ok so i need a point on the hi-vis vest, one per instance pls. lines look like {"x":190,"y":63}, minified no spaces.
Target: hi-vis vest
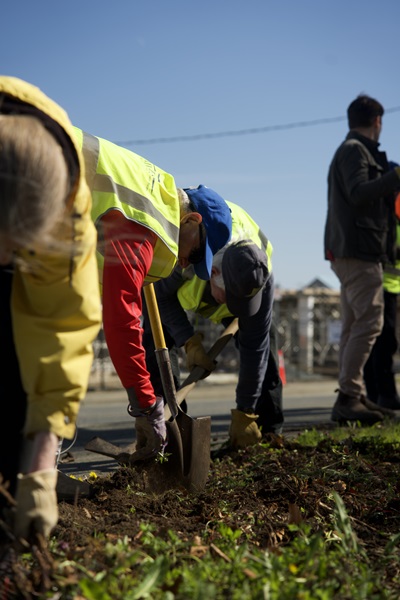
{"x":391,"y":274}
{"x":122,"y":180}
{"x":191,"y":293}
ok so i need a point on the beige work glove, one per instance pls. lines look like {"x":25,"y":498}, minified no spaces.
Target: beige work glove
{"x":37,"y":510}
{"x":196,"y":355}
{"x":243,"y":430}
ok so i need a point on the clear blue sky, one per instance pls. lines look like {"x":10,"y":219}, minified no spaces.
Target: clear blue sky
{"x":129,"y":70}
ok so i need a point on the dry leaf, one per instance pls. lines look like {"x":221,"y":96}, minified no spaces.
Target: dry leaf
{"x":199,"y":551}
{"x":294,"y":514}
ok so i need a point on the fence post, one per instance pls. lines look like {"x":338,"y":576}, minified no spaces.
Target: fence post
{"x":305,"y":308}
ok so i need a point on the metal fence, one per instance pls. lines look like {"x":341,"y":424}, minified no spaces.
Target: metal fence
{"x":308,"y":323}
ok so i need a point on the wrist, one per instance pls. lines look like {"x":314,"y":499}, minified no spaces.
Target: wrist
{"x":146,"y":411}
{"x":138,"y":408}
{"x":44,"y":449}
{"x":42,"y":473}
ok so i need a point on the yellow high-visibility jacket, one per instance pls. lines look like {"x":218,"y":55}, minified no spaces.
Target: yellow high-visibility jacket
{"x":56,"y":310}
{"x":122,"y":180}
{"x":191,"y":293}
{"x":391,"y":273}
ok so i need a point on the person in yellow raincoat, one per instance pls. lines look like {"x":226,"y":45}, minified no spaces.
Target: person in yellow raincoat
{"x":49,"y":293}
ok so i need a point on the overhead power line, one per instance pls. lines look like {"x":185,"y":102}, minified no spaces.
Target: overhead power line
{"x":238,"y":132}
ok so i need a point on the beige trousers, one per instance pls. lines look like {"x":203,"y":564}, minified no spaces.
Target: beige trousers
{"x":361,"y":300}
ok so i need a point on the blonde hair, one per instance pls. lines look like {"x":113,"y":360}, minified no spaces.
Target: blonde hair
{"x":33,"y":181}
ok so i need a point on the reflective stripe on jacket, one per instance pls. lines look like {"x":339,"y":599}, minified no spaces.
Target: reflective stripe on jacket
{"x":191,"y":293}
{"x":122,"y":180}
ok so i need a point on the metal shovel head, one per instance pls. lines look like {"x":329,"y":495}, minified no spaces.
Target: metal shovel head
{"x":189,"y":443}
{"x":188,"y":451}
{"x":190,"y":447}
{"x":70,"y":490}
{"x":189,"y":439}
{"x":195,"y":437}
{"x":101,"y":446}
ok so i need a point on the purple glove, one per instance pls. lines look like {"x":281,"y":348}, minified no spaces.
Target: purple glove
{"x":151,"y":433}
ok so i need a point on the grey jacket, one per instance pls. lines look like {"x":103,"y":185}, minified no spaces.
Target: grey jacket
{"x":360,"y":221}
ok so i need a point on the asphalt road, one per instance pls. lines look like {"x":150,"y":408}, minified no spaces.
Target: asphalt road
{"x":103,"y":413}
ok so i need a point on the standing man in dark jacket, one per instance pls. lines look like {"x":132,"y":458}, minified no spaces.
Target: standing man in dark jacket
{"x":359,"y":238}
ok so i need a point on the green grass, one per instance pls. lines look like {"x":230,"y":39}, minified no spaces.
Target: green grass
{"x":322,"y":566}
{"x":317,"y":556}
{"x":380,"y":435}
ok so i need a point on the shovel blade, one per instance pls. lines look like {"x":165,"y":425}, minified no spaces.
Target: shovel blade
{"x":196,"y":444}
{"x":188,"y":451}
{"x":100,"y":446}
{"x":174,"y":466}
{"x":70,"y":490}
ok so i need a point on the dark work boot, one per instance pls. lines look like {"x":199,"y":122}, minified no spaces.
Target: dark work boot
{"x":392,"y":403}
{"x":350,"y":408}
{"x":387,"y":412}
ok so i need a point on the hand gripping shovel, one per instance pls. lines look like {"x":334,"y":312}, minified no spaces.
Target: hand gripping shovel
{"x":198,"y":373}
{"x":189,"y":439}
{"x":101,"y":446}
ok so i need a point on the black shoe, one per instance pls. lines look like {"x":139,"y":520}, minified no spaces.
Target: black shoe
{"x":387,"y":412}
{"x":392,"y":403}
{"x":350,"y":408}
{"x":275,"y":428}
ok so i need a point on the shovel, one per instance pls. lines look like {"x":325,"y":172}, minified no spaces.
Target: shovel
{"x":198,"y":373}
{"x":101,"y":446}
{"x":189,"y":439}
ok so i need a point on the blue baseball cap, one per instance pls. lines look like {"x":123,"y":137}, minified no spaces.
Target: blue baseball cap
{"x":217,"y":221}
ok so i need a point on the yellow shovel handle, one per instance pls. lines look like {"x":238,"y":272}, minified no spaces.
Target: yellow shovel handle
{"x":154,"y":316}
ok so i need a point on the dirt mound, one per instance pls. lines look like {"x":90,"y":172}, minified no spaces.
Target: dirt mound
{"x":257,"y":492}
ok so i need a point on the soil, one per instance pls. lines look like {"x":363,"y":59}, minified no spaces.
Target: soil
{"x":258,"y":491}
